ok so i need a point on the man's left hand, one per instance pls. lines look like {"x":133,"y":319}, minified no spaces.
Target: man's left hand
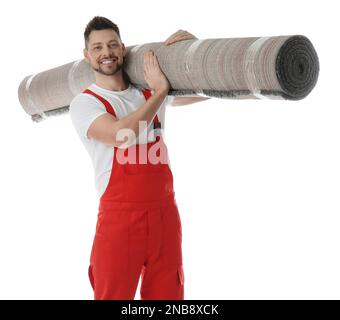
{"x":180,"y":35}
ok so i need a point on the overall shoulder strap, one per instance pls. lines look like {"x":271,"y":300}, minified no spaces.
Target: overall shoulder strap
{"x":156,"y":122}
{"x":106,"y":103}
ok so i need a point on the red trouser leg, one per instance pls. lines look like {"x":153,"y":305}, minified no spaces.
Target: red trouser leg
{"x":162,"y":276}
{"x":131,"y":241}
{"x":118,"y":254}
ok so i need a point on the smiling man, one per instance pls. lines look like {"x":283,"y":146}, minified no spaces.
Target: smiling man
{"x":138,"y":231}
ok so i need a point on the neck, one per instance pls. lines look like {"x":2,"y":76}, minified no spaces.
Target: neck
{"x":117,"y":82}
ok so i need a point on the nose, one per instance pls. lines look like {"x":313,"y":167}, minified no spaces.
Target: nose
{"x":106,"y":50}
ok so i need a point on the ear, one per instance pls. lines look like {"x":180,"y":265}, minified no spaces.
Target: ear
{"x":86,"y":55}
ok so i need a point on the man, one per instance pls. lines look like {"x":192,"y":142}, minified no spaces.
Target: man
{"x":138,"y":231}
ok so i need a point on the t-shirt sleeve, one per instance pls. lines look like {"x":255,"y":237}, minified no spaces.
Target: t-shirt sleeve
{"x":168,"y":100}
{"x":84,"y":109}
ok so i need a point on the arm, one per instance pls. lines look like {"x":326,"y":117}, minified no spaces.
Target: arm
{"x":181,"y":35}
{"x":106,"y":128}
{"x":183,"y":101}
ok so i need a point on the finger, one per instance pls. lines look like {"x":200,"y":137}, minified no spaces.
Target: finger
{"x":186,"y":36}
{"x":173,"y":36}
{"x":146,"y":57}
{"x":151,"y":60}
{"x":177,"y":39}
{"x":147,"y":61}
{"x":155,"y":60}
{"x":181,"y":36}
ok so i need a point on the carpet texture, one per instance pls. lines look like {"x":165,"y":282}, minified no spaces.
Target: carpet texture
{"x":279,"y":67}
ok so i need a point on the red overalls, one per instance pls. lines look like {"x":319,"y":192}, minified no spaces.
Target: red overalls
{"x":138,"y":231}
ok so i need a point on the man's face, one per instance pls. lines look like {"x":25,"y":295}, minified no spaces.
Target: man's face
{"x":105,"y":52}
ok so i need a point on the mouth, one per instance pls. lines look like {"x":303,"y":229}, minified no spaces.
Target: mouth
{"x":108,"y":62}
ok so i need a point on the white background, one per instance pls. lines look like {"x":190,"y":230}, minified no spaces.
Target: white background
{"x":257,"y":182}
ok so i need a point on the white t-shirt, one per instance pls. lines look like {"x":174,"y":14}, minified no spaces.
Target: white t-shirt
{"x":85,"y":108}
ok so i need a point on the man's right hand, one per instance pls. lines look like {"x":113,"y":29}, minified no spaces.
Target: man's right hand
{"x":153,"y":74}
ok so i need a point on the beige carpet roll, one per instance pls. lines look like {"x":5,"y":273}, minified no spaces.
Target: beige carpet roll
{"x":280,"y":67}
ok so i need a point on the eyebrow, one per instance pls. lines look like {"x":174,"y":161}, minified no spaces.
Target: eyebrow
{"x":102,"y":42}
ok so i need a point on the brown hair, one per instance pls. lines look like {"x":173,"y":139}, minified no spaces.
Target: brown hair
{"x":99,"y":23}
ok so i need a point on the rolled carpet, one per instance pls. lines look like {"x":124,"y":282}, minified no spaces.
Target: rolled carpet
{"x":279,"y":67}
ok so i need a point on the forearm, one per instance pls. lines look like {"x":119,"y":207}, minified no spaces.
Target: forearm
{"x":145,"y":113}
{"x":185,"y":100}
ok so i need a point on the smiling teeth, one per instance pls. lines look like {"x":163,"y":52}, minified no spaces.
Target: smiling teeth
{"x":107,"y":61}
